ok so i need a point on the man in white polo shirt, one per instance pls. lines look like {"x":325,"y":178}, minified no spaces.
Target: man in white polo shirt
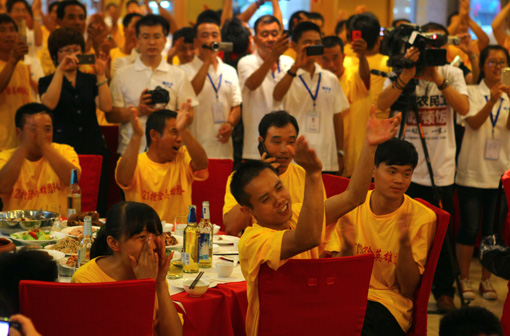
{"x":217,"y":88}
{"x":258,"y":75}
{"x":314,"y":96}
{"x":131,"y":86}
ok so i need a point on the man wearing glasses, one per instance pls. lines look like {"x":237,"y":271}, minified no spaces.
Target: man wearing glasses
{"x":150,"y":83}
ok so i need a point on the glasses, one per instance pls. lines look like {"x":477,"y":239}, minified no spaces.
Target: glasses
{"x":494,"y":64}
{"x":69,"y":51}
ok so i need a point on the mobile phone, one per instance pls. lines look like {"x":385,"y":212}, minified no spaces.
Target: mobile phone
{"x":86,"y":59}
{"x":505,"y":76}
{"x":22,"y":30}
{"x":453,"y":40}
{"x":356,"y":35}
{"x":315,"y":50}
{"x":6,"y":324}
{"x":262,"y":149}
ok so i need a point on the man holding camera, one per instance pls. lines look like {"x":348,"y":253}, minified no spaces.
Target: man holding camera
{"x":314,"y":96}
{"x":440,"y":92}
{"x":150,"y":83}
{"x":217,"y":88}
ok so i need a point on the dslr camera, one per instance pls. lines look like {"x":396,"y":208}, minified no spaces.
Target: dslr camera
{"x":160,"y":96}
{"x":397,"y":41}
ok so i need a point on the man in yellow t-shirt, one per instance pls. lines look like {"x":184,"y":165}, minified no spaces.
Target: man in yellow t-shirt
{"x":355,"y":83}
{"x":14,"y":80}
{"x":162,"y":176}
{"x":398,"y":231}
{"x":36,"y":175}
{"x":285,"y":230}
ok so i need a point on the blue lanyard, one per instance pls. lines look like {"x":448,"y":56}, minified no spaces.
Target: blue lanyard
{"x":314,"y":97}
{"x":214,"y":87}
{"x":278,"y":66}
{"x":494,"y":120}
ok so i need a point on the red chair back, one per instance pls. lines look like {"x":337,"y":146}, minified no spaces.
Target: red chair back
{"x":89,"y":181}
{"x":315,"y":296}
{"x":111,"y":308}
{"x":422,"y":294}
{"x":335,"y":185}
{"x":505,"y":318}
{"x":213,"y":189}
{"x":505,"y":179}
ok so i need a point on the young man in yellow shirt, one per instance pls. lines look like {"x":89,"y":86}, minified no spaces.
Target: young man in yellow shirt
{"x":285,"y":230}
{"x":162,"y":176}
{"x":36,"y":174}
{"x":398,"y":231}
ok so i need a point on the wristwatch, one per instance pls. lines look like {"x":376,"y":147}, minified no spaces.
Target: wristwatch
{"x":444,"y":85}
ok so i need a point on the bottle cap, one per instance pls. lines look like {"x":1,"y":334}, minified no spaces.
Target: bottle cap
{"x":192,"y":214}
{"x":87,"y":226}
{"x":74,"y":176}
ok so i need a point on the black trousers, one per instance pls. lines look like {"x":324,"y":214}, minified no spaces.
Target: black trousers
{"x":380,"y":322}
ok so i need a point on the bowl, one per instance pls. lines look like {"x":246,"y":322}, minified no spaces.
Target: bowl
{"x":199,"y":290}
{"x":216,"y":229}
{"x":56,"y":255}
{"x":6,"y":245}
{"x":64,"y":270}
{"x":224,"y":268}
{"x":19,"y":220}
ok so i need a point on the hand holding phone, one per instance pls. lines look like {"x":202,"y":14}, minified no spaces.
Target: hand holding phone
{"x":86,"y":59}
{"x":315,"y":50}
{"x":356,"y":34}
{"x":262,"y":149}
{"x":6,"y":324}
{"x":505,"y":76}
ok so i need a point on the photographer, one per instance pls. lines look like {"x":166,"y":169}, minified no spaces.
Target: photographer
{"x":440,"y":91}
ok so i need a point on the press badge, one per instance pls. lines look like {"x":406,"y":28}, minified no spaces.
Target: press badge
{"x":313,"y":122}
{"x":492,"y":149}
{"x":218,"y":113}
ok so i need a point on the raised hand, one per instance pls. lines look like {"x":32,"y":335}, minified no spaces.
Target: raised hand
{"x":135,"y":122}
{"x":412,"y":54}
{"x":359,"y":46}
{"x":69,"y":63}
{"x":403,"y":227}
{"x":496,"y":92}
{"x":184,"y":117}
{"x":270,"y":160}
{"x":465,"y":43}
{"x":280,"y":46}
{"x":381,"y":130}
{"x":305,"y":156}
{"x":100,"y":65}
{"x":300,"y":57}
{"x":164,"y":260}
{"x":147,"y":265}
{"x":19,"y":51}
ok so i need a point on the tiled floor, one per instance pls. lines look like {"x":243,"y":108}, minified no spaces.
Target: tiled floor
{"x":496,"y":306}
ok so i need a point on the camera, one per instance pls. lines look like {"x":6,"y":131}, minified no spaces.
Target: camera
{"x":220,"y":46}
{"x":160,"y":95}
{"x":315,"y":50}
{"x":397,"y":41}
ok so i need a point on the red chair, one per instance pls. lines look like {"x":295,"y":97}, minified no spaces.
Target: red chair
{"x":505,"y":179}
{"x":110,"y":308}
{"x":505,"y":319}
{"x":422,"y":294}
{"x":335,"y":185}
{"x":315,"y":296}
{"x":89,"y":181}
{"x":213,"y":189}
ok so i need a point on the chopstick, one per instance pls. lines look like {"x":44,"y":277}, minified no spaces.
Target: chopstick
{"x":227,"y":259}
{"x":194,"y":283}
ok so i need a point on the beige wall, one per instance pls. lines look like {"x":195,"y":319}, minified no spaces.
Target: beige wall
{"x":185,"y":11}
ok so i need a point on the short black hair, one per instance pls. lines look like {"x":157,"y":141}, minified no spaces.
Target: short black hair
{"x":394,"y":22}
{"x":485,"y":53}
{"x":331,"y":41}
{"x":369,"y":26}
{"x":132,"y":1}
{"x":6,"y":18}
{"x":296,"y":15}
{"x":10,"y":3}
{"x":61,"y":9}
{"x":128,"y":18}
{"x":304,"y":27}
{"x":234,"y":31}
{"x":266,"y":19}
{"x":276,"y":119}
{"x":396,"y":152}
{"x":340,"y":27}
{"x":30,"y":109}
{"x":156,"y":121}
{"x":151,"y":20}
{"x":205,"y":19}
{"x":208,"y":15}
{"x":315,"y":16}
{"x":63,"y":37}
{"x":248,"y":170}
{"x":470,"y":321}
{"x":450,"y":17}
{"x":434,"y":26}
{"x":186,"y":32}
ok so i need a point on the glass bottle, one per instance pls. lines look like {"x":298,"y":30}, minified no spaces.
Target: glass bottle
{"x":206,"y":241}
{"x":191,"y":235}
{"x":86,"y":242}
{"x":73,"y":195}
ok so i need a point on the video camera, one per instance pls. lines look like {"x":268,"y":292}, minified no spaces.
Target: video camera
{"x":397,"y":41}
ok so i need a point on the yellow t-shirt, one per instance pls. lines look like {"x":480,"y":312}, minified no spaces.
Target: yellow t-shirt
{"x":90,"y":273}
{"x":379,"y":234}
{"x":259,"y":245}
{"x":355,"y":118}
{"x":115,"y":53}
{"x":15,"y":95}
{"x":291,"y":53}
{"x":166,"y":187}
{"x":293,"y":179}
{"x":38,"y":186}
{"x":375,"y":62}
{"x":452,"y":51}
{"x":49,"y":67}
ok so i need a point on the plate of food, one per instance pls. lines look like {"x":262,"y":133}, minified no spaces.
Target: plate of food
{"x":77,"y":219}
{"x":173,"y":241}
{"x":68,"y":245}
{"x":37,"y":237}
{"x":225,"y":240}
{"x":77,"y":231}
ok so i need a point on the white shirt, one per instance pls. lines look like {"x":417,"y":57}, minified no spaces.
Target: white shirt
{"x":474,"y":170}
{"x":229,"y":95}
{"x":330,"y":100}
{"x":131,"y":80}
{"x":258,"y":102}
{"x":437,"y":119}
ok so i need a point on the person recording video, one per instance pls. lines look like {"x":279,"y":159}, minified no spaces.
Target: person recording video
{"x":440,"y":92}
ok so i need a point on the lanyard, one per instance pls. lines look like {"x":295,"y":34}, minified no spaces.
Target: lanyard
{"x":278,"y":66}
{"x":214,"y":87}
{"x":494,"y":120}
{"x":314,"y":97}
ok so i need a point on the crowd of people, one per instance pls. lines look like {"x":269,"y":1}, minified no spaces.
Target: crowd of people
{"x":321,"y":104}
